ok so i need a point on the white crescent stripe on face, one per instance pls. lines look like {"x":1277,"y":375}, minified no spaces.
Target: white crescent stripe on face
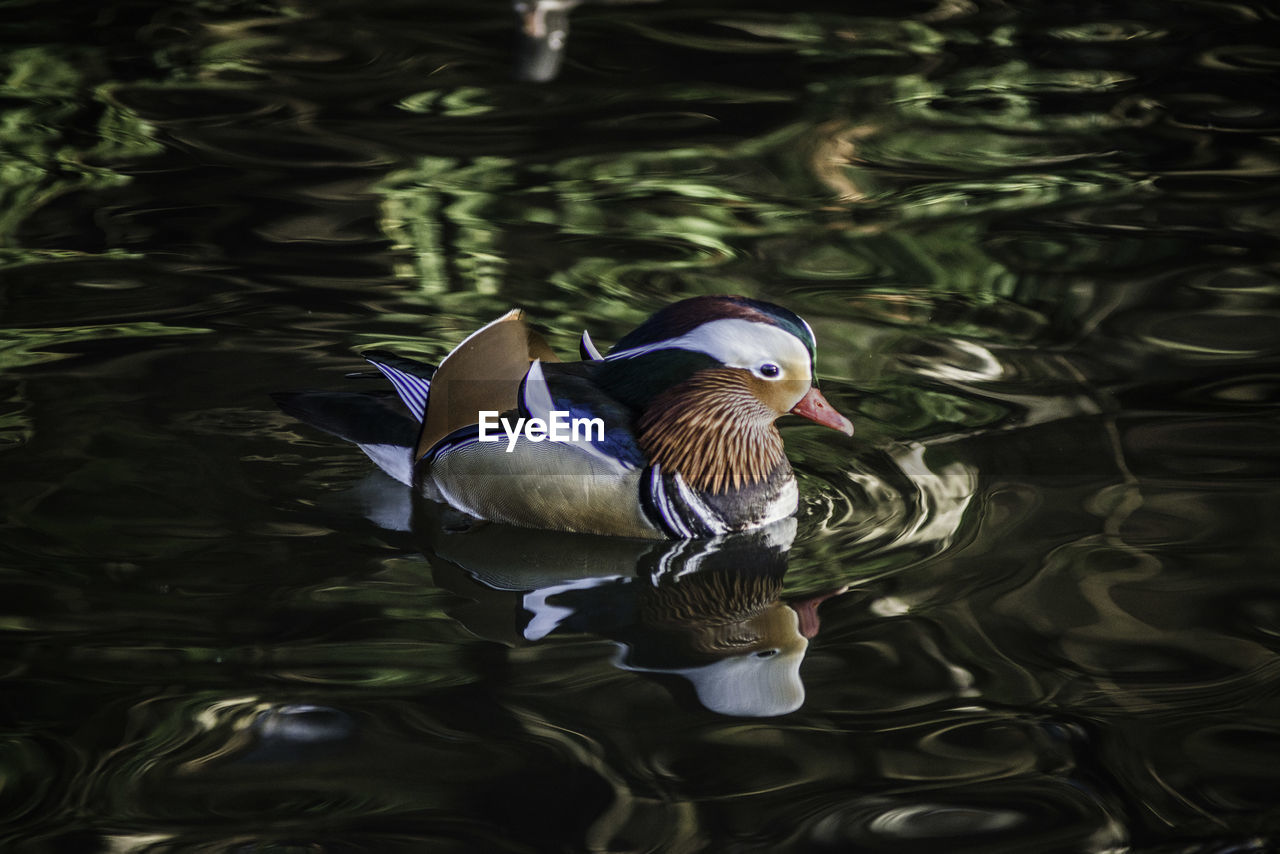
{"x":736,"y":343}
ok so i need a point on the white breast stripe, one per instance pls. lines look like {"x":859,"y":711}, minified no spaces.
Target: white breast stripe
{"x":658,"y":493}
{"x":705,"y":514}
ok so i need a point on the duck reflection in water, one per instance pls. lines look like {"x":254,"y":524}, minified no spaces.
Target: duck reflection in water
{"x":543,"y":34}
{"x":709,"y":612}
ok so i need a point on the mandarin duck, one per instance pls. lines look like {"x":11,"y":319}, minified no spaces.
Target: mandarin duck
{"x":677,"y":440}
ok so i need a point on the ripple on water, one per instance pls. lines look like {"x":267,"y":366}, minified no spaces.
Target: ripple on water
{"x":1109,"y":31}
{"x":885,"y":509}
{"x":1223,"y":113}
{"x":30,"y":776}
{"x":1203,"y":771}
{"x":1246,"y":58}
{"x":201,"y":758}
{"x":1202,"y":447}
{"x":1043,"y":814}
{"x":1235,"y":761}
{"x":71,"y":299}
{"x":1247,"y":390}
{"x":1211,"y":334}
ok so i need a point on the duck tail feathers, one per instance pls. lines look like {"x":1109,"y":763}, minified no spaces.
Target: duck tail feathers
{"x":411,"y":379}
{"x":373,"y":421}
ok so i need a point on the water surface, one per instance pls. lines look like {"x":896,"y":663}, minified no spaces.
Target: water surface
{"x":1030,"y":607}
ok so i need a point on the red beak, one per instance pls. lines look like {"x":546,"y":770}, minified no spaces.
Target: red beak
{"x":815,"y":407}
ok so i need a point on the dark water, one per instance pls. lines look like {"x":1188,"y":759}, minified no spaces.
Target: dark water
{"x":1031,"y":607}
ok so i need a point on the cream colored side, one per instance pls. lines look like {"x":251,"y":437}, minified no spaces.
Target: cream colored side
{"x":543,"y":485}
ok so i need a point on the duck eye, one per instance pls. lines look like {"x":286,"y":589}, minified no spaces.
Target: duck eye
{"x":770,"y":370}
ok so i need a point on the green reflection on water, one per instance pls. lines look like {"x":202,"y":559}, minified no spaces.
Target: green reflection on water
{"x":22,"y":347}
{"x":57,"y":132}
{"x":885,"y":182}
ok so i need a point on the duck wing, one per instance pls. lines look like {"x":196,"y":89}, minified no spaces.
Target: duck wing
{"x":484,"y":372}
{"x":570,"y":387}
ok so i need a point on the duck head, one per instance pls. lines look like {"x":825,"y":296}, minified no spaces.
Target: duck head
{"x":708,"y":377}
